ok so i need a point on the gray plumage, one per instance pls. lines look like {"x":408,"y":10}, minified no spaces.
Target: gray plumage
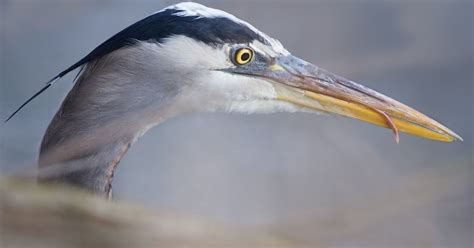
{"x":106,"y":110}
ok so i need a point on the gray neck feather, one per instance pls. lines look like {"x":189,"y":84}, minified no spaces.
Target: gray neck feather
{"x":114,"y":101}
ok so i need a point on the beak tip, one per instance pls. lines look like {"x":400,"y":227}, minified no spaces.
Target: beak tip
{"x":453,"y":135}
{"x":457,"y":137}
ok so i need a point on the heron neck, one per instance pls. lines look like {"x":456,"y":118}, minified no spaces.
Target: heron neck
{"x":91,"y":169}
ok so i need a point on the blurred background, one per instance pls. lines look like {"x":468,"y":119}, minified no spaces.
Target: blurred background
{"x":313,"y":179}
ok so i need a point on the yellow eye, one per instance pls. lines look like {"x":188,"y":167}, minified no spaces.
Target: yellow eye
{"x":243,"y":56}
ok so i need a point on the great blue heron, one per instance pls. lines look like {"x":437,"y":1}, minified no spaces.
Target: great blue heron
{"x":188,"y":58}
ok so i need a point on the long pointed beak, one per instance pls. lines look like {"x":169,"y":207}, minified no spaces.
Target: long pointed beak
{"x":306,"y":85}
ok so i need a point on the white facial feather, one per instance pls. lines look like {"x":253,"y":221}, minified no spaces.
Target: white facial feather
{"x":189,"y":53}
{"x":211,"y":90}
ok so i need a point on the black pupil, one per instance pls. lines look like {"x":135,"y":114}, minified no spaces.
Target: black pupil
{"x":245,"y":56}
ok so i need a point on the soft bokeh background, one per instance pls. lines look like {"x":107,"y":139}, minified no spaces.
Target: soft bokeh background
{"x":313,"y":179}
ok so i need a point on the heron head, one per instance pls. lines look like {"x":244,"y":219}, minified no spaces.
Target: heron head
{"x":237,"y":68}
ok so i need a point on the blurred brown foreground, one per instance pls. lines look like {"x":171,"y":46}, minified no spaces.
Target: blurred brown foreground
{"x":50,"y":216}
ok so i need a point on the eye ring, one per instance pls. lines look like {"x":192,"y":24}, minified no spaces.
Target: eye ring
{"x":243,"y":56}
